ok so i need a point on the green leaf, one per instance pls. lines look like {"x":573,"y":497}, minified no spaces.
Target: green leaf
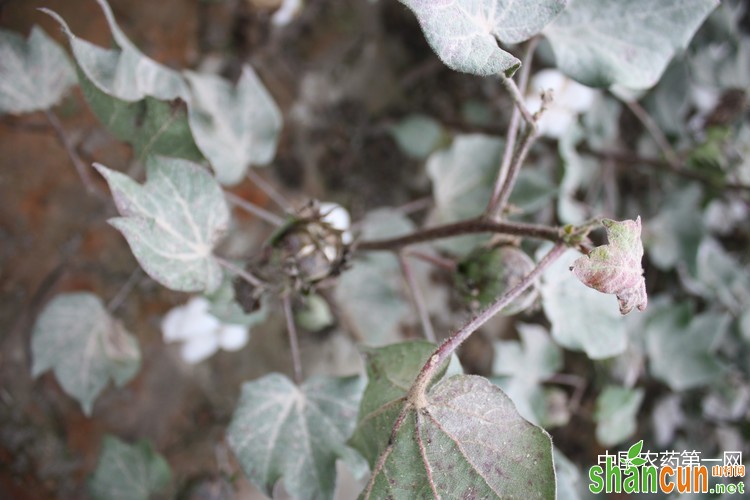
{"x":680,"y":347}
{"x":672,"y":237}
{"x":77,"y":338}
{"x":172,"y":222}
{"x":462,"y":178}
{"x":234,"y":127}
{"x":465,"y":33}
{"x":612,"y":42}
{"x":616,"y":267}
{"x":137,"y":99}
{"x":582,"y":319}
{"x":34,"y":73}
{"x":525,"y":365}
{"x":391,"y":370}
{"x":469,"y":435}
{"x":417,"y":135}
{"x":468,"y":441}
{"x":722,"y":277}
{"x":615,"y":414}
{"x":128,"y":472}
{"x":371,"y":294}
{"x":281,"y":431}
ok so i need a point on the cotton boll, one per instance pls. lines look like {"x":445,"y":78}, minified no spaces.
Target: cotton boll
{"x":188,"y":321}
{"x":569,"y":99}
{"x":233,"y":337}
{"x":200,"y":348}
{"x":338,"y":218}
{"x":287,"y":12}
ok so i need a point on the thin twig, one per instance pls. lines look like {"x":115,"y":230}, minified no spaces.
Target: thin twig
{"x":450,"y":345}
{"x":468,"y":226}
{"x":291,"y":328}
{"x":435,"y":260}
{"x":125,"y":290}
{"x":78,"y":163}
{"x":634,"y":159}
{"x":513,"y":127}
{"x":519,"y":156}
{"x":517,"y":96}
{"x":245,"y":275}
{"x":254,"y":209}
{"x":267,"y":188}
{"x":653,"y":128}
{"x":417,"y":297}
{"x":417,"y":398}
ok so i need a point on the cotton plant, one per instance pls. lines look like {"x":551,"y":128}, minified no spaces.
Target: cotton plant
{"x":569,"y":100}
{"x":201,"y":333}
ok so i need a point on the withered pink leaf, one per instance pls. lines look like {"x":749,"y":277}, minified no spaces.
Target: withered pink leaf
{"x":616,"y":267}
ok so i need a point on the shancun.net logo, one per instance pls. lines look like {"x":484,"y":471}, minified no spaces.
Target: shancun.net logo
{"x":634,"y":471}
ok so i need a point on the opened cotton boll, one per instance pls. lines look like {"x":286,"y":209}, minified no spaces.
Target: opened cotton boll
{"x":338,"y":218}
{"x":569,"y":99}
{"x":201,"y":333}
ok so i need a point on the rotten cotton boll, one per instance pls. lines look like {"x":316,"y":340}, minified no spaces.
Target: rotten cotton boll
{"x":569,"y":99}
{"x":310,"y":248}
{"x":201,"y":333}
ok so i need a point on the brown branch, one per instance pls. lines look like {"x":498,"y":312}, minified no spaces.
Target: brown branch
{"x":80,"y":166}
{"x":469,"y":226}
{"x":293,"y":343}
{"x":417,"y":297}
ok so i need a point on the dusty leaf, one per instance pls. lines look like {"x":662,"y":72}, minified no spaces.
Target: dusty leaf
{"x":616,"y":267}
{"x":128,"y":472}
{"x":34,"y":73}
{"x":615,"y":414}
{"x":77,"y":338}
{"x":172,"y":222}
{"x":139,"y":100}
{"x":467,"y":442}
{"x":234,"y":126}
{"x":465,"y":33}
{"x":612,"y":42}
{"x":282,"y":431}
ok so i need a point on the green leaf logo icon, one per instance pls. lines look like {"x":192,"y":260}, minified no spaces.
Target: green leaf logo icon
{"x":633,"y":454}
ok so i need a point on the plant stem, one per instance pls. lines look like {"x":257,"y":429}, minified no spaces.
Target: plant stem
{"x":78,"y":163}
{"x":417,"y":297}
{"x":267,"y":188}
{"x":254,"y":209}
{"x":435,"y":260}
{"x":517,"y":96}
{"x":495,"y":210}
{"x":449,"y":346}
{"x":292,"y":331}
{"x":469,"y":226}
{"x":634,"y":159}
{"x":515,"y":122}
{"x":417,"y":397}
{"x":125,"y":290}
{"x":653,"y":128}
{"x":245,"y":275}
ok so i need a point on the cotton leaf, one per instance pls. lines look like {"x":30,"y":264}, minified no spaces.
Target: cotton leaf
{"x":465,"y":33}
{"x":128,"y":472}
{"x":468,"y":441}
{"x":77,"y":338}
{"x":295,"y":433}
{"x":629,"y":43}
{"x":234,"y":127}
{"x":34,"y":73}
{"x":616,"y":267}
{"x":172,"y":222}
{"x":139,"y":100}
